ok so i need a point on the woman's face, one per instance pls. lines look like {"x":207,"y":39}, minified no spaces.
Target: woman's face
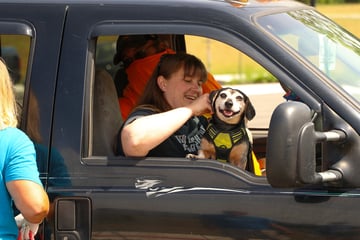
{"x":180,"y":90}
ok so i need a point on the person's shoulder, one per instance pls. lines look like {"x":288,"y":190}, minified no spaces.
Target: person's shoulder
{"x":12,"y":132}
{"x":144,"y":110}
{"x":140,"y":111}
{"x":16,"y":139}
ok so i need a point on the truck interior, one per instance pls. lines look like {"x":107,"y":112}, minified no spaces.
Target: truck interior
{"x":105,"y":51}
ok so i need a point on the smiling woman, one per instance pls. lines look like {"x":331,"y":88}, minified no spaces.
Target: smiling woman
{"x":168,"y":120}
{"x":137,"y":57}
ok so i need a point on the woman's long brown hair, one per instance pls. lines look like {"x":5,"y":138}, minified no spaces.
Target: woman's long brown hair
{"x":153,"y":97}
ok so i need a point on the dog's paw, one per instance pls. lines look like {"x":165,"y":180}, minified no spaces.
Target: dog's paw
{"x":191,"y":156}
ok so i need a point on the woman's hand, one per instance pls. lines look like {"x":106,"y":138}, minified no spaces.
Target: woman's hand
{"x":27,"y":230}
{"x":201,"y":105}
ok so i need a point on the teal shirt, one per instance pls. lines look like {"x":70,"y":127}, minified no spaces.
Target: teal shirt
{"x":17,"y":162}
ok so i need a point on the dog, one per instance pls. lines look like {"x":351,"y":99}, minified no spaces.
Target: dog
{"x":227,"y":138}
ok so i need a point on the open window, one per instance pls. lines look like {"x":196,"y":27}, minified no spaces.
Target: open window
{"x":229,"y":66}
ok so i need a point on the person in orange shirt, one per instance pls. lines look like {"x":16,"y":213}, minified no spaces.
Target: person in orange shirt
{"x":139,"y":55}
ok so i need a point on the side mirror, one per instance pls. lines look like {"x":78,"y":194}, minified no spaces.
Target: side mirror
{"x":290,"y":154}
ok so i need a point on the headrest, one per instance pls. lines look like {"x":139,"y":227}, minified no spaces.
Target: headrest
{"x":130,"y":41}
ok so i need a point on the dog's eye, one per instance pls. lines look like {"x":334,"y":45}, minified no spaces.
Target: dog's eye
{"x":239,"y":98}
{"x":223,"y":95}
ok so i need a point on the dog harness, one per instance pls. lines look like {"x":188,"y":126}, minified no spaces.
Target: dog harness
{"x":224,"y":141}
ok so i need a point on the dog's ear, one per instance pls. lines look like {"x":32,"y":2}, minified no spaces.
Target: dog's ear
{"x":250,"y":110}
{"x":212,"y":96}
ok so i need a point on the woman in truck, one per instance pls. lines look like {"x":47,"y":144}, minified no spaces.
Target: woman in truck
{"x":138,"y":55}
{"x":168,"y":121}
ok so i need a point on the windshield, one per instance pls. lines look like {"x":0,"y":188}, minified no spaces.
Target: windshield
{"x":325,"y":44}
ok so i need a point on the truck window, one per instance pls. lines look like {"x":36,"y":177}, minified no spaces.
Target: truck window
{"x":238,"y":70}
{"x":15,"y":49}
{"x":229,"y":66}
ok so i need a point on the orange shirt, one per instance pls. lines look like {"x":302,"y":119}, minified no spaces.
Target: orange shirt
{"x":139,"y":72}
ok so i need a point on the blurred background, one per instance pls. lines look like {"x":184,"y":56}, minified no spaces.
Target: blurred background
{"x":242,"y":70}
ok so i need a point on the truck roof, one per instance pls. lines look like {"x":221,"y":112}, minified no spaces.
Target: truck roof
{"x":197,"y":3}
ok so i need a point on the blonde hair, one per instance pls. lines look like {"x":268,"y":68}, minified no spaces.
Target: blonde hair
{"x":8,"y":112}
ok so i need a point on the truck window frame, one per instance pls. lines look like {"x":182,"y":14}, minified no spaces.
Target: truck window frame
{"x":121,"y":28}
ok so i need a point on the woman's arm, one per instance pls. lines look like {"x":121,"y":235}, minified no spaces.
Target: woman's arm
{"x":30,"y":199}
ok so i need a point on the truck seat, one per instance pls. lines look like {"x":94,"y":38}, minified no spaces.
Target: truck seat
{"x":106,"y":114}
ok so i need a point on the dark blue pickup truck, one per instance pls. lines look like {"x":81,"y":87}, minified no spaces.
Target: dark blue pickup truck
{"x":311,"y":188}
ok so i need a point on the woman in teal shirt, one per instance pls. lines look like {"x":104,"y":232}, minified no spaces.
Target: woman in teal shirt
{"x":19,"y":178}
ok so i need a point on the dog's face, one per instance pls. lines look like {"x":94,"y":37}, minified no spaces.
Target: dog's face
{"x":231,"y":105}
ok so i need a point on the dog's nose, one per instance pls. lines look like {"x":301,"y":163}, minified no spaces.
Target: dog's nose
{"x":228,"y":104}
